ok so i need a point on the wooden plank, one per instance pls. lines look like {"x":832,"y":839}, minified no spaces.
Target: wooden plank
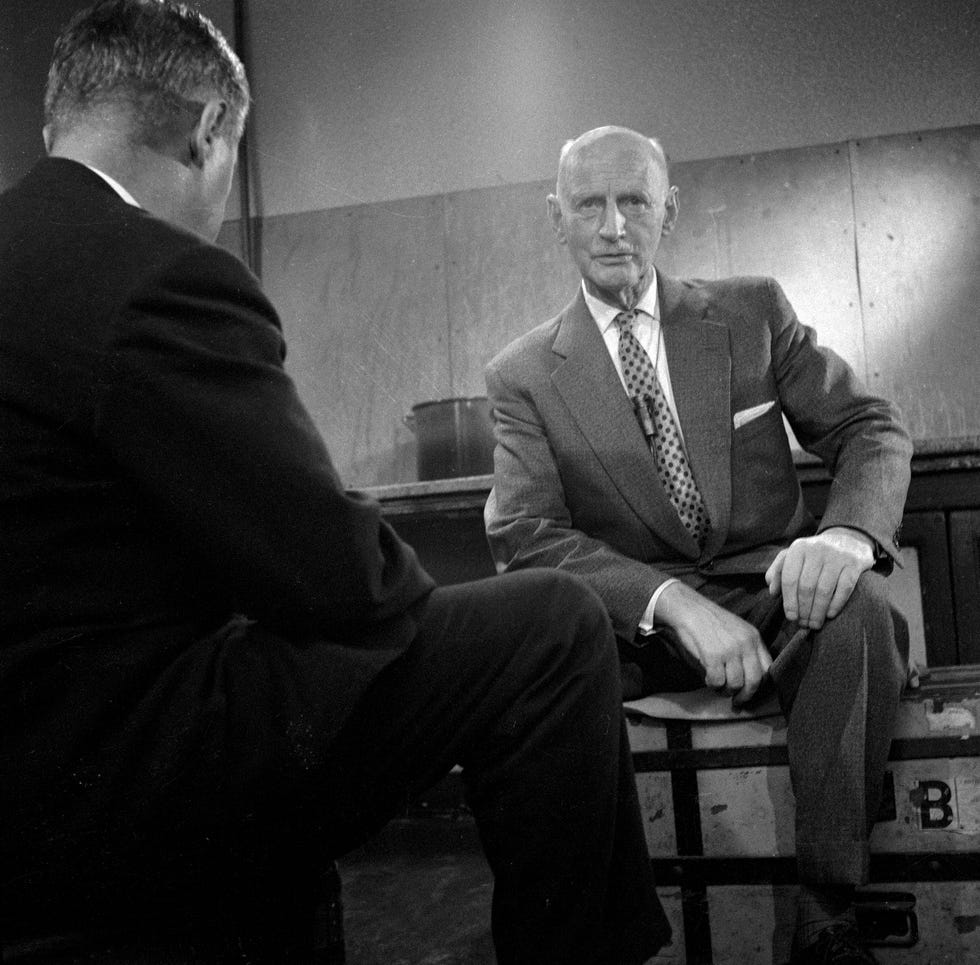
{"x":361,"y":292}
{"x":964,"y":537}
{"x":506,"y":273}
{"x":787,"y":214}
{"x":925,"y":534}
{"x":917,"y":203}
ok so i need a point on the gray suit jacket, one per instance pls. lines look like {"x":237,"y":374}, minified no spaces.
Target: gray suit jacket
{"x":576,"y":486}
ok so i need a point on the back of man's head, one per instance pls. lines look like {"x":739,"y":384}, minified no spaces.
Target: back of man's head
{"x":155,"y":59}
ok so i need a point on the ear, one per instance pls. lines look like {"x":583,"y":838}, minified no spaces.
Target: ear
{"x":671,"y":210}
{"x":47,"y":133}
{"x":555,"y":216}
{"x":206,"y":130}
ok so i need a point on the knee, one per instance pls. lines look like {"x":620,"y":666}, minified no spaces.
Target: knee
{"x":882,"y":626}
{"x":869,"y":601}
{"x":561,"y":596}
{"x":567,"y":611}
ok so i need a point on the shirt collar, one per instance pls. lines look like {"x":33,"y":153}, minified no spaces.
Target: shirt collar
{"x":605,"y":314}
{"x":115,"y":185}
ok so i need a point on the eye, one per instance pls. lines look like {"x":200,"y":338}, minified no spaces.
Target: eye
{"x":589,"y":205}
{"x":634,"y":204}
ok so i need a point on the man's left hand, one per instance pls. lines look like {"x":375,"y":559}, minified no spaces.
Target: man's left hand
{"x":816,"y":575}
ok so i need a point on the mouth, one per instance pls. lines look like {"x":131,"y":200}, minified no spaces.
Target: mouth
{"x":614,"y":257}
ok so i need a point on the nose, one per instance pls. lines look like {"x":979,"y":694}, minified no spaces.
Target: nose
{"x":613,"y":223}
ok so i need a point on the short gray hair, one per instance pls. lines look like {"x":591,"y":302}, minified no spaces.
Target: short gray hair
{"x":159,"y":56}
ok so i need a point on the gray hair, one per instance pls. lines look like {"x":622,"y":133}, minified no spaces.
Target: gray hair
{"x":158,"y":56}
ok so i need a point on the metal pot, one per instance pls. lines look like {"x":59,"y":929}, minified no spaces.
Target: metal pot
{"x":454,"y":437}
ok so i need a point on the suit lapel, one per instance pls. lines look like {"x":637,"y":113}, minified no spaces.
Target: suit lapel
{"x":699,"y":358}
{"x":588,"y":382}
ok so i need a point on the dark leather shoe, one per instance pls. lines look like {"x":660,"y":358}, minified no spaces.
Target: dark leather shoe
{"x":837,"y":945}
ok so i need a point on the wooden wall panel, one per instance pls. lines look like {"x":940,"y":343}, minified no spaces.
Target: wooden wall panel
{"x":506,"y":274}
{"x":787,"y":214}
{"x":917,"y":204}
{"x":362,"y":295}
{"x":877,"y":244}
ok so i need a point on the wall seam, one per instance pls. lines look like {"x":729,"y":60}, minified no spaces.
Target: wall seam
{"x":852,"y":146}
{"x":444,"y":200}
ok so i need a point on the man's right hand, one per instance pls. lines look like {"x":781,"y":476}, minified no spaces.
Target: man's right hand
{"x":727,"y":649}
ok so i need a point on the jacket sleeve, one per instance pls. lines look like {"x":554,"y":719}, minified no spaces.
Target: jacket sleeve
{"x":198,"y":409}
{"x":858,"y":436}
{"x":528,"y":521}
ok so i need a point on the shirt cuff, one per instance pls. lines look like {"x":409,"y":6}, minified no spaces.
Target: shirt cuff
{"x":647,"y":620}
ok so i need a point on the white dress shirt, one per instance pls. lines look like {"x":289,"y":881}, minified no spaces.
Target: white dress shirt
{"x":647,"y":330}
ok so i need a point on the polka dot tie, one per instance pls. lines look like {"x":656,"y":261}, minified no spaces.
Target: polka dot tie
{"x":661,"y":431}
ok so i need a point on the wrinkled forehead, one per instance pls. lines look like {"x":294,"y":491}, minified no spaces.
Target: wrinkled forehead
{"x":612,"y":162}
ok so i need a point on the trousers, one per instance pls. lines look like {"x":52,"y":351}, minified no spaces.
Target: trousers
{"x":214,"y":795}
{"x":839,"y":689}
{"x":516,"y":679}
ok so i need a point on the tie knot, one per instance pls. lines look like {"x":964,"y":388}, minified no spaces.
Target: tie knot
{"x":625,"y":319}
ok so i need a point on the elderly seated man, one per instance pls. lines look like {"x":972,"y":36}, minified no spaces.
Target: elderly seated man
{"x":641,"y":447}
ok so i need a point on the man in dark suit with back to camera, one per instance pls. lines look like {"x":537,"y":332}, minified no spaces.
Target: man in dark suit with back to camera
{"x":640,"y":446}
{"x":218,"y":669}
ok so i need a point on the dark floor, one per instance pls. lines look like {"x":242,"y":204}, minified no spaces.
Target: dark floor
{"x":418,"y":894}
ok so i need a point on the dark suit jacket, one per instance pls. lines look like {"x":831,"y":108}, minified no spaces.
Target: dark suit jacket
{"x":158,"y":474}
{"x":576,"y":486}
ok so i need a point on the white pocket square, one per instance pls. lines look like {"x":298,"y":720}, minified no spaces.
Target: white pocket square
{"x":747,"y":415}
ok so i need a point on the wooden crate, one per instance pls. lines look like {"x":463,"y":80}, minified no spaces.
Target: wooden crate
{"x":718,"y":812}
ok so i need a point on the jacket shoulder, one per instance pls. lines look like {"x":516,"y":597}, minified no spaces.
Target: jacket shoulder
{"x":739,"y":300}
{"x":531,"y":345}
{"x":734,"y":285}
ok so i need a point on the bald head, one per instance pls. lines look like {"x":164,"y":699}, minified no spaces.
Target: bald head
{"x":592,"y":146}
{"x":612,"y":205}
